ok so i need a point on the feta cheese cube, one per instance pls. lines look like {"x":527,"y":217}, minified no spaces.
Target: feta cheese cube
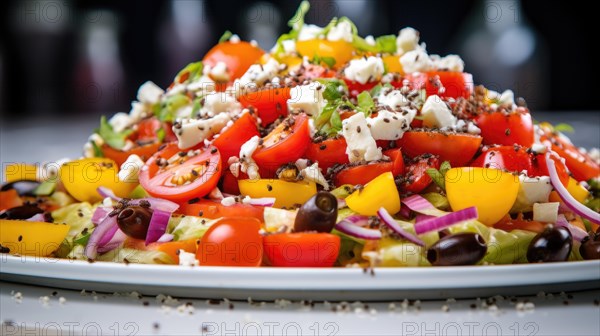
{"x":309,"y":98}
{"x":532,"y":190}
{"x":138,"y":111}
{"x":190,"y":132}
{"x":407,"y":40}
{"x":228,"y":201}
{"x":313,"y":173}
{"x":247,"y":164}
{"x":256,"y":76}
{"x":416,"y":61}
{"x":187,"y":258}
{"x":436,"y":113}
{"x":130,"y":169}
{"x":341,"y":32}
{"x":365,"y":70}
{"x":120,"y":121}
{"x":360,"y":144}
{"x":219,"y":102}
{"x":219,"y":72}
{"x":392,"y":98}
{"x":309,"y":32}
{"x":449,"y":63}
{"x":149,"y":93}
{"x":507,"y":98}
{"x":546,"y":212}
{"x":389,"y":125}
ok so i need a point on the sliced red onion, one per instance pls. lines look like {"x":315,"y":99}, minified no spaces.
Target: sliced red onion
{"x":439,"y":223}
{"x":341,"y":203}
{"x":359,"y":220}
{"x":569,"y":200}
{"x":264,"y":201}
{"x":393,"y":225}
{"x":158,"y":225}
{"x":419,"y":204}
{"x":577,"y":233}
{"x":155,"y":203}
{"x":404,"y":211}
{"x":165,"y":238}
{"x":117,"y":239}
{"x":348,"y":227}
{"x":108,"y":236}
{"x":421,"y":218}
{"x":99,"y":214}
{"x":105,"y":227}
{"x":37,"y":218}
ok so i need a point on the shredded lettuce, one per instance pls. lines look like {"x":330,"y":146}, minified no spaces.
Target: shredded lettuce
{"x":188,"y":227}
{"x":296,"y":23}
{"x":438,"y":176}
{"x":119,"y":255}
{"x":193,"y":71}
{"x":437,"y":200}
{"x":167,"y":109}
{"x":389,"y":252}
{"x":365,"y":103}
{"x":114,"y":139}
{"x":79,"y":217}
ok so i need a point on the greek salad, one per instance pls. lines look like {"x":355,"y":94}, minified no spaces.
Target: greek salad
{"x":328,"y":150}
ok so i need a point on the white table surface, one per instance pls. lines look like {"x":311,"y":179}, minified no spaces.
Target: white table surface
{"x":575,"y":313}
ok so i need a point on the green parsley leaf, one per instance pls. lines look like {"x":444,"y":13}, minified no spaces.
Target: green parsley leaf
{"x":97,"y":150}
{"x":331,"y":92}
{"x":330,"y":61}
{"x":226,"y":36}
{"x":193,"y":71}
{"x":169,"y":107}
{"x":438,"y":176}
{"x":386,"y":44}
{"x":114,"y":139}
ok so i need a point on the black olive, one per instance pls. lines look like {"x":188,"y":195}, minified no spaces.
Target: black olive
{"x":319,"y":213}
{"x":23,"y":187}
{"x":552,"y":244}
{"x":21,"y":212}
{"x":134,"y":221}
{"x":590,"y":247}
{"x":457,"y":249}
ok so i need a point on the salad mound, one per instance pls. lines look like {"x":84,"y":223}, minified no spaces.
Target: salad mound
{"x":330,"y":149}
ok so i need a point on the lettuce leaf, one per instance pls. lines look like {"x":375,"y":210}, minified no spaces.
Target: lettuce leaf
{"x":188,"y":227}
{"x":79,"y":217}
{"x":114,"y":139}
{"x":136,"y":256}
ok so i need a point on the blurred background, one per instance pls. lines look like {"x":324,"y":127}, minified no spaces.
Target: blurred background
{"x":81,"y":59}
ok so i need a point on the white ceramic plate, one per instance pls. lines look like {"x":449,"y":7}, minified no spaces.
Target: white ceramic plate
{"x":303,"y":283}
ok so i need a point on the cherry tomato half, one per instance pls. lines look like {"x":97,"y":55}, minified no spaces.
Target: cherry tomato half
{"x":510,"y":158}
{"x":498,"y":128}
{"x":214,"y":209}
{"x":328,"y":152}
{"x":238,"y":57}
{"x":302,"y":249}
{"x":415,"y":177}
{"x":231,"y":139}
{"x":456,"y":84}
{"x":176,"y":176}
{"x":232,"y":241}
{"x":457,"y":148}
{"x":363,"y":174}
{"x":286,"y":143}
{"x":270,"y":104}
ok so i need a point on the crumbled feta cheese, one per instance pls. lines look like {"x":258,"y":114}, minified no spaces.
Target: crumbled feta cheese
{"x":436,"y":113}
{"x":313,"y":173}
{"x":257,"y":75}
{"x":120,"y":121}
{"x":370,"y":40}
{"x":594,"y":154}
{"x":187,"y":259}
{"x":341,"y":32}
{"x":190,"y":132}
{"x":416,"y":61}
{"x":149,"y":93}
{"x":463,"y":126}
{"x":309,"y":32}
{"x":45,"y":300}
{"x":545,"y":212}
{"x":219,"y":72}
{"x":247,"y":164}
{"x":308,"y":98}
{"x":365,"y":70}
{"x":138,"y":111}
{"x":507,"y":98}
{"x":130,"y":169}
{"x":278,"y":220}
{"x":449,"y":63}
{"x":472,"y":128}
{"x":301,"y":163}
{"x":389,"y":125}
{"x":228,"y":201}
{"x":218,"y":102}
{"x":235,"y":38}
{"x":289,"y":46}
{"x":176,"y":90}
{"x":361,"y":145}
{"x":202,"y":86}
{"x":392,"y":98}
{"x":532,"y":190}
{"x":539,"y":148}
{"x":407,"y":40}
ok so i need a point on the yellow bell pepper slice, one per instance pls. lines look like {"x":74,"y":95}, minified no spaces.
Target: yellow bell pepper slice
{"x":492,"y":191}
{"x":20,"y":171}
{"x":392,"y":63}
{"x":287,"y":194}
{"x":31,"y":238}
{"x":577,"y":190}
{"x":341,"y":51}
{"x":82,"y":178}
{"x":380,"y":192}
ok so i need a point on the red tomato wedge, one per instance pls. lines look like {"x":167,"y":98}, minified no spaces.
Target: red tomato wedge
{"x":456,"y":84}
{"x":539,"y":167}
{"x":214,"y":209}
{"x":508,"y":224}
{"x":286,"y":143}
{"x":498,"y":128}
{"x":363,"y":174}
{"x":581,"y":165}
{"x":231,"y":139}
{"x":457,"y":148}
{"x":119,"y":156}
{"x":327,"y":152}
{"x":301,"y":249}
{"x":355,"y":88}
{"x":9,"y":199}
{"x":238,"y":57}
{"x":232,"y":241}
{"x":270,"y":104}
{"x":176,"y":176}
{"x":511,"y":158}
{"x":415,"y":177}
